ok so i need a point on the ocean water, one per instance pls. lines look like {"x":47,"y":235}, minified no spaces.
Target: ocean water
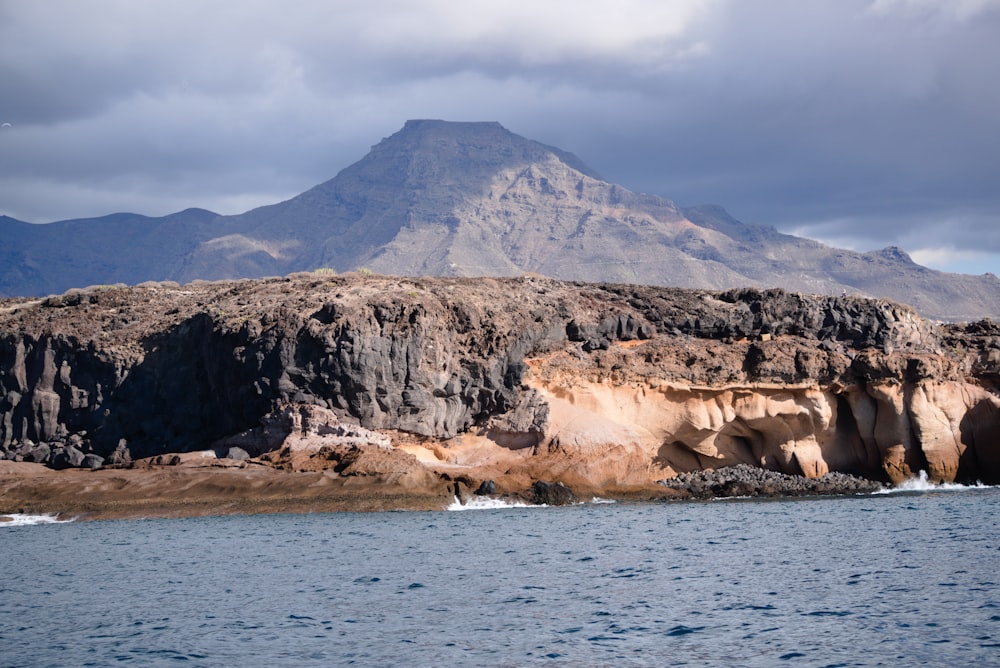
{"x":899,"y":579}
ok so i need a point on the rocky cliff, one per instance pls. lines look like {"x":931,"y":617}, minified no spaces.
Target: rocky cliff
{"x":606,"y":388}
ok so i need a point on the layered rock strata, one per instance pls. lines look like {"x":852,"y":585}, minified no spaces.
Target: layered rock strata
{"x":606,"y":388}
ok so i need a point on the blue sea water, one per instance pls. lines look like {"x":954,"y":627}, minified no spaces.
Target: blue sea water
{"x":894,"y":580}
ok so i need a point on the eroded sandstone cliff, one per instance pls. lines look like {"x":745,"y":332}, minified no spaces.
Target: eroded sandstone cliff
{"x":607,"y":388}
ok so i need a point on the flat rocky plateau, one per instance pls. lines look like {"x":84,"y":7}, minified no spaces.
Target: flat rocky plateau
{"x":318,"y":392}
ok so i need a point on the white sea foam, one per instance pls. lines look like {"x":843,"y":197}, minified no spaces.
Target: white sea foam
{"x":922,"y":484}
{"x":488,"y":503}
{"x":18,"y":520}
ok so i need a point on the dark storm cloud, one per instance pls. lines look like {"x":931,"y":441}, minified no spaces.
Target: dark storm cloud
{"x":866,"y":123}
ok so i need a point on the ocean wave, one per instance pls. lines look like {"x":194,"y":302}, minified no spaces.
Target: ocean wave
{"x":21,"y":520}
{"x":488,"y":503}
{"x":921,"y":484}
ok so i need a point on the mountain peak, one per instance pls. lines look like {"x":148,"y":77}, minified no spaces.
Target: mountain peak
{"x":893,"y":254}
{"x":478,"y":143}
{"x":436,"y":124}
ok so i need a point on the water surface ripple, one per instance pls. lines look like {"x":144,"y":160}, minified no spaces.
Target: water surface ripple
{"x":890,"y":580}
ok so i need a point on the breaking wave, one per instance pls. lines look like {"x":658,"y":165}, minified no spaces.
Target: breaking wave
{"x":922,"y":484}
{"x":488,"y":503}
{"x":19,"y":520}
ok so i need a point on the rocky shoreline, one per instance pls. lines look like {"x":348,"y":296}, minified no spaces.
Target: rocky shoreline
{"x":177,"y":491}
{"x":184,"y":490}
{"x":749,"y":481}
{"x":407,"y":392}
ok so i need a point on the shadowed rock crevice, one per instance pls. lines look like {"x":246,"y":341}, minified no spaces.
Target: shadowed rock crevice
{"x":192,"y":386}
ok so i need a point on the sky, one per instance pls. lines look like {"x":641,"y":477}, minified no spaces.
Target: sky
{"x":859,"y":123}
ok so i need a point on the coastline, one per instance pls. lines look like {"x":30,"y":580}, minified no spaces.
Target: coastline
{"x":317,"y":392}
{"x":169,"y":492}
{"x":155,"y":491}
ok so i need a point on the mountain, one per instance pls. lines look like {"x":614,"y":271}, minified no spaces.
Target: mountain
{"x":119,"y":248}
{"x":471,"y":199}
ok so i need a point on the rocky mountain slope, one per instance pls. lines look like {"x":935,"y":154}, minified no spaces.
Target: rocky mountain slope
{"x":605,"y":388}
{"x":472,"y":199}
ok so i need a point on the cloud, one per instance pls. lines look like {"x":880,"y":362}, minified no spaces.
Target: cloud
{"x":957,"y":10}
{"x":867,"y":120}
{"x":948,"y":258}
{"x":535,"y":32}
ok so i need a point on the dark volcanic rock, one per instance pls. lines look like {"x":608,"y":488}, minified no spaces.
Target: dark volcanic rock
{"x":67,"y":457}
{"x":551,"y":494}
{"x":744,"y":480}
{"x":92,"y":461}
{"x":161,"y":369}
{"x":486,"y":488}
{"x":34,"y":453}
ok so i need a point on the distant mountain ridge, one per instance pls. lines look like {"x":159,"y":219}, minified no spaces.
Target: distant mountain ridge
{"x":468,"y":199}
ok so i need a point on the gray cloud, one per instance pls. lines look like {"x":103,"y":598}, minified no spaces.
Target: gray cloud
{"x":865,"y":123}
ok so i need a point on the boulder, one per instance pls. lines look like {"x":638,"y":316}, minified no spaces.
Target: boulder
{"x":92,"y":461}
{"x":239,"y":454}
{"x":120,"y":456}
{"x":551,"y":494}
{"x":486,"y":488}
{"x":36,"y":453}
{"x":67,"y":457}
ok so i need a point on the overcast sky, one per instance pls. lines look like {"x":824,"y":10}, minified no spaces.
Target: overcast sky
{"x":861,"y":123}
